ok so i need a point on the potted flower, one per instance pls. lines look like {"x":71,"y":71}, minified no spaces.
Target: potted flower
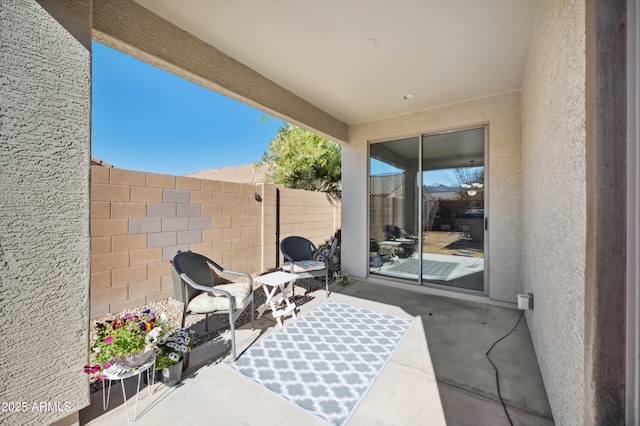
{"x":128,"y":341}
{"x":172,"y":356}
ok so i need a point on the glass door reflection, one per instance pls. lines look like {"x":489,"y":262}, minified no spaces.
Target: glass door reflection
{"x":453,"y":209}
{"x":427,"y":210}
{"x":393,"y":207}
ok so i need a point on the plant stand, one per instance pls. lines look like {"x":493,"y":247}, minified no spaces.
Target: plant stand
{"x":116,"y":372}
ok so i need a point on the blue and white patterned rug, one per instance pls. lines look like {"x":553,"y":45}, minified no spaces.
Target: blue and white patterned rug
{"x":435,"y":268}
{"x":325,"y":361}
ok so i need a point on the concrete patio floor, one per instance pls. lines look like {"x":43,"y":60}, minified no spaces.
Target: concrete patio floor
{"x":439,"y":374}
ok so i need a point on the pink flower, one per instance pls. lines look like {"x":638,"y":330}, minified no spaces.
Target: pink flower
{"x":92,"y":369}
{"x":108,"y":340}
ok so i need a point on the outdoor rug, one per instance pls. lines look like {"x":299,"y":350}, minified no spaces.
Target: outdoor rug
{"x":435,"y":268}
{"x":325,"y":361}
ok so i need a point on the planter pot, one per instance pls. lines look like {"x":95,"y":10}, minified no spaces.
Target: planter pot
{"x":133,"y":360}
{"x":172,"y":375}
{"x":185,"y":361}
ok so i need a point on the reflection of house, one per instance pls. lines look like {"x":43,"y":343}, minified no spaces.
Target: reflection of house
{"x":459,"y":216}
{"x":549,"y":80}
{"x":437,"y":204}
{"x":246,"y":173}
{"x":451,"y":210}
{"x":98,"y":162}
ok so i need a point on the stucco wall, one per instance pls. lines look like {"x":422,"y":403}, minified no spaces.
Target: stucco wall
{"x":502,"y":114}
{"x":45,"y":111}
{"x":139,"y":220}
{"x":553,"y":214}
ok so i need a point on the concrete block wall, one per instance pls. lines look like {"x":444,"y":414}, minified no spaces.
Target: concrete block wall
{"x":140,"y":220}
{"x":313,"y":215}
{"x":384,"y":210}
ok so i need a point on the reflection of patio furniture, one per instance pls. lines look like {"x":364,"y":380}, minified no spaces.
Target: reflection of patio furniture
{"x":474,"y":213}
{"x":332,"y":252}
{"x":465,"y":228}
{"x":407,"y":242}
{"x":204,"y":291}
{"x":390,"y":249}
{"x":304,"y":259}
{"x":270,"y":284}
{"x":394,"y":232}
{"x":375,"y":259}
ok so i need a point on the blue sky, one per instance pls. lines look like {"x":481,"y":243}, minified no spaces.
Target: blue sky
{"x":445,"y":177}
{"x":148,"y":120}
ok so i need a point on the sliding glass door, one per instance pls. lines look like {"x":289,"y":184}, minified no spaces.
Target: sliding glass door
{"x":427,"y":212}
{"x":393,"y":206}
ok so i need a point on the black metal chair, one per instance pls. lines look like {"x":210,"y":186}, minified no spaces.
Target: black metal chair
{"x":204,"y":290}
{"x":408,"y":242}
{"x":304,"y":259}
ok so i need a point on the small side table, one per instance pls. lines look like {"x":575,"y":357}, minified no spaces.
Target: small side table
{"x":270,"y":283}
{"x":392,"y":245}
{"x":116,"y":372}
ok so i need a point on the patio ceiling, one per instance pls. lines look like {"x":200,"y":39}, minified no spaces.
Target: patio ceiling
{"x":357,"y":59}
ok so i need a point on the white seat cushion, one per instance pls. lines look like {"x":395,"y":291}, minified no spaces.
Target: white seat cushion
{"x":303,"y":266}
{"x":205,"y":302}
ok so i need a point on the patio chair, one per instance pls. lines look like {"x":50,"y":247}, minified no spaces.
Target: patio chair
{"x":204,"y":291}
{"x":331,"y":251}
{"x":305,"y":260}
{"x":407,"y":241}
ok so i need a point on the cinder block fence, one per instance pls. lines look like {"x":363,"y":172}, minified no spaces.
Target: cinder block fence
{"x":139,"y":220}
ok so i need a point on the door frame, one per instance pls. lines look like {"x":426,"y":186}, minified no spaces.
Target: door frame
{"x":486,"y":254}
{"x":633,"y":216}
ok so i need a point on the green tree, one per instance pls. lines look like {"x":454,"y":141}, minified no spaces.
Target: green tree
{"x":303,"y":160}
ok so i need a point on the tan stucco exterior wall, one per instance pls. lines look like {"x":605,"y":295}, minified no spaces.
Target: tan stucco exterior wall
{"x":554,"y":204}
{"x":45,"y":107}
{"x":140,"y":220}
{"x":502,"y":116}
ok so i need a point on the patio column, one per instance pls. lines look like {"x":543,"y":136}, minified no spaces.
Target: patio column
{"x":605,"y":292}
{"x":45,"y":108}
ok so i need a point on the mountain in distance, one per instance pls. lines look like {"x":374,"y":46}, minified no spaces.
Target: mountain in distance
{"x":438,"y":187}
